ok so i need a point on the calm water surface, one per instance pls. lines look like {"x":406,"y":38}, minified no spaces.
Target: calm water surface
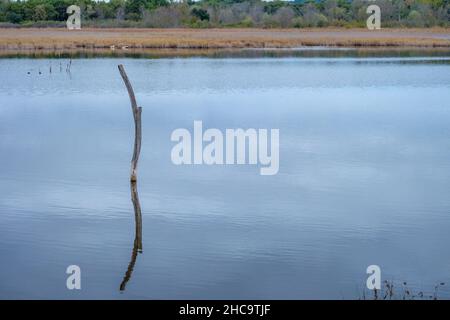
{"x":364,"y":178}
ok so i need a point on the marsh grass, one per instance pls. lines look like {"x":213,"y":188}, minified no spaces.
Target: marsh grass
{"x":62,"y":39}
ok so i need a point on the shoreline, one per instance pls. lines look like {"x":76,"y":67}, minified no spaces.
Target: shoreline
{"x":300,"y":52}
{"x":53,"y":39}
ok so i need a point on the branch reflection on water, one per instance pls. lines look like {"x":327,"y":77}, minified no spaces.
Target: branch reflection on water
{"x":137,"y":246}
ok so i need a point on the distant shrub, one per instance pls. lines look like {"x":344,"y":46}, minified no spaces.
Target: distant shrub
{"x":43,"y":24}
{"x":322,"y":21}
{"x":269,"y":21}
{"x":166,"y":17}
{"x":200,"y":13}
{"x":200,"y":24}
{"x":415,"y":19}
{"x":247,"y":22}
{"x":7,"y":25}
{"x":284,"y":17}
{"x":298,"y":22}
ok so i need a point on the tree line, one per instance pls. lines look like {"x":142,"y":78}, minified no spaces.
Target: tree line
{"x":225,"y":13}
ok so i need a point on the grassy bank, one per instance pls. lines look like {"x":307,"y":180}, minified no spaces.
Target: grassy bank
{"x":63,"y":39}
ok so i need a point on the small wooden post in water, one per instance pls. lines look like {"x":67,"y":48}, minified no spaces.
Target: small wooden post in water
{"x":137,"y":124}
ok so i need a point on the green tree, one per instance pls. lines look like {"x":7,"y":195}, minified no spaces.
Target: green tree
{"x":200,"y":13}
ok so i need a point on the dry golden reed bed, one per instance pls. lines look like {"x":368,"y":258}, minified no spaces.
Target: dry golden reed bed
{"x":62,"y":39}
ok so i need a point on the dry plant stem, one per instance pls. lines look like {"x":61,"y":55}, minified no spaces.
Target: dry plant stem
{"x":137,"y":124}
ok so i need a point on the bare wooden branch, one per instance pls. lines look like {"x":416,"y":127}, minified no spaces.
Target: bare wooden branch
{"x":137,"y":111}
{"x":137,"y":124}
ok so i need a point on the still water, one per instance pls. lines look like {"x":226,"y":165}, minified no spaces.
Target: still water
{"x":364,"y":178}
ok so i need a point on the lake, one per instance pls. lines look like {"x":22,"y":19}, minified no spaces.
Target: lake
{"x":364,"y":177}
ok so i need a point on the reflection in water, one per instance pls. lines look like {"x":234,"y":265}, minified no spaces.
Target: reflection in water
{"x":137,"y":246}
{"x":363,"y":180}
{"x":305,"y":52}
